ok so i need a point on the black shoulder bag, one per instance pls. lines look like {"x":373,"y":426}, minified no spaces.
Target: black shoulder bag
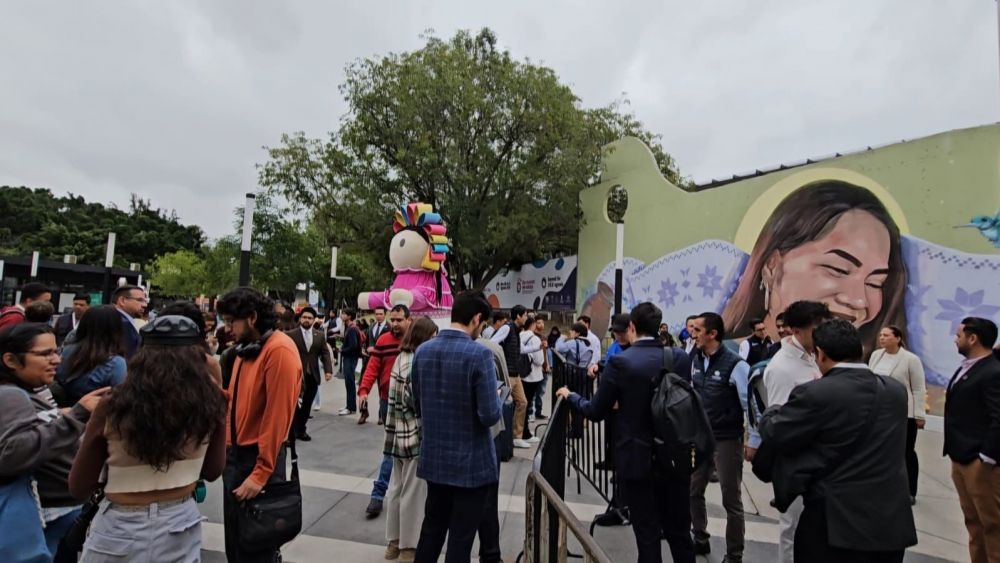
{"x":274,"y":517}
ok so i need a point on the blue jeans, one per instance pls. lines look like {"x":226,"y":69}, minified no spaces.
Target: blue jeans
{"x":381,"y":485}
{"x":56,"y":529}
{"x":536,"y":407}
{"x":350,"y":364}
{"x":383,"y":408}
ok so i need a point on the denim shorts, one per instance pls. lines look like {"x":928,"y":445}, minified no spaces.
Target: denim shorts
{"x":169,"y":534}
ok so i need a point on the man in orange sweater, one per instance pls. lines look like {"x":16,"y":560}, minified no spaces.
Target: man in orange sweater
{"x":264,"y":391}
{"x":383,"y":357}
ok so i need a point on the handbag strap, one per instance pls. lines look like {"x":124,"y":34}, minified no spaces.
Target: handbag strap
{"x":232,"y":425}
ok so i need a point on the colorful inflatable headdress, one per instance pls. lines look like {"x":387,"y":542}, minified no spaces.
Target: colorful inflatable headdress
{"x":420,"y":217}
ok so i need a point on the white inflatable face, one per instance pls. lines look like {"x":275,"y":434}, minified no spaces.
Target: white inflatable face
{"x":407,"y":250}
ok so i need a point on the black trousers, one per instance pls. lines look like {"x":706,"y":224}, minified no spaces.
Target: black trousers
{"x":454,"y":513}
{"x":309,"y":389}
{"x":240,"y":462}
{"x":912,"y":463}
{"x":489,"y":528}
{"x":811,"y":543}
{"x":660,"y":508}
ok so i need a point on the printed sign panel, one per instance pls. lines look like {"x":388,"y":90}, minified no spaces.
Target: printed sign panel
{"x":545,"y":285}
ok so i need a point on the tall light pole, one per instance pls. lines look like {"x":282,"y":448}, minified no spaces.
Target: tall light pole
{"x":1,"y":284}
{"x":34,"y":265}
{"x":109,"y":262}
{"x":245,"y":245}
{"x":619,"y":263}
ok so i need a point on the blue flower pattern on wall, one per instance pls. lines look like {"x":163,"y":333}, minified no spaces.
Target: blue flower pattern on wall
{"x":963,"y":305}
{"x":709,"y":281}
{"x":668,"y":292}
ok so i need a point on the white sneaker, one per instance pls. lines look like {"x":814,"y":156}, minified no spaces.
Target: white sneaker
{"x":533,"y":440}
{"x":531,"y":418}
{"x":345,"y":412}
{"x":315,"y":407}
{"x":523,"y":444}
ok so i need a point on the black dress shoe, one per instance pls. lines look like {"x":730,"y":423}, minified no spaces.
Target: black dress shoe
{"x":613,"y":517}
{"x":540,"y":416}
{"x":303,"y":437}
{"x":604,"y":465}
{"x":381,"y":421}
{"x":374,"y":509}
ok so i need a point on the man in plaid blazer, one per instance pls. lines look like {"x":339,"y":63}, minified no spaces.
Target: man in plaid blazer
{"x":455,"y":395}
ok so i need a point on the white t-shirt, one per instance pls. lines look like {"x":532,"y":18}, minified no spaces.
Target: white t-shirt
{"x":530,"y":340}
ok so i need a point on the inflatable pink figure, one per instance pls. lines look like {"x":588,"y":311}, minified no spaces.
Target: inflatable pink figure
{"x":417,"y":253}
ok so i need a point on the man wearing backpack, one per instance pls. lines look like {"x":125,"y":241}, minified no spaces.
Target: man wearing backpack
{"x":657,"y":497}
{"x":508,"y":337}
{"x":720,"y":377}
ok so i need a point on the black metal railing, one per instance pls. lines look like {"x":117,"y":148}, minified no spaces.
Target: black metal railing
{"x":548,"y":520}
{"x":589,"y":445}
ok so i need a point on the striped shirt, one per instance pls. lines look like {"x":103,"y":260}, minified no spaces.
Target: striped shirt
{"x":402,"y":427}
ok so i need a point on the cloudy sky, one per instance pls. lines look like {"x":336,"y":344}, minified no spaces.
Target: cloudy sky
{"x":174,"y":100}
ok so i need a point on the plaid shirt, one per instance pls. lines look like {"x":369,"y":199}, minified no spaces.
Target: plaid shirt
{"x":402,"y":427}
{"x":455,"y":395}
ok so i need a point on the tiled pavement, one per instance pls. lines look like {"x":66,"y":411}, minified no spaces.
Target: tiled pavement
{"x":342,"y":460}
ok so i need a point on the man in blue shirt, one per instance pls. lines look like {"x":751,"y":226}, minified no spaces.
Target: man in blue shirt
{"x":455,"y":395}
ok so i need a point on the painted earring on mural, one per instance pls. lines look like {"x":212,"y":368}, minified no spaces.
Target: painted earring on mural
{"x":766,"y":288}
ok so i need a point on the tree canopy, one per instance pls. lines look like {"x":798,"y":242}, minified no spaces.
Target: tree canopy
{"x":36,"y":219}
{"x":500,"y":147}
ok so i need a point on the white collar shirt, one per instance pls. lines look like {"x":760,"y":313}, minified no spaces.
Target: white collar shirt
{"x":789,"y":368}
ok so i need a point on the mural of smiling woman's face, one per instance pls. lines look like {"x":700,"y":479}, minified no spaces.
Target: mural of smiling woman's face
{"x":846,"y":269}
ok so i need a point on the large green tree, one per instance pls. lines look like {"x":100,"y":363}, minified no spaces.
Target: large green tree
{"x":36,"y":219}
{"x":499,"y":146}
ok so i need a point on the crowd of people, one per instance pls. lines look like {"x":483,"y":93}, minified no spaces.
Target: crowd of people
{"x":833,"y":435}
{"x":110,"y":425}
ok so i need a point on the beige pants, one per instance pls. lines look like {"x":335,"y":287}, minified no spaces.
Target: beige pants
{"x":978,"y":486}
{"x":520,"y":406}
{"x":405,"y":499}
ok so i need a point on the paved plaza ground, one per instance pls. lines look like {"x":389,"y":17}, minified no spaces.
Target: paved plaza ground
{"x":338,"y":467}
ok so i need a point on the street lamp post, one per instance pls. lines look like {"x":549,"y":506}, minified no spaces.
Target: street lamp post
{"x":109,"y":262}
{"x":34,"y":265}
{"x":2,"y":289}
{"x":333,"y":277}
{"x":245,"y":245}
{"x":619,"y":263}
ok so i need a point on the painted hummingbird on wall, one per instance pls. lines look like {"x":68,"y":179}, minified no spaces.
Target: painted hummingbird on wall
{"x":988,"y":226}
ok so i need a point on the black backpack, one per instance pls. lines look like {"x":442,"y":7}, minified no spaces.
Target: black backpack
{"x":682,"y":435}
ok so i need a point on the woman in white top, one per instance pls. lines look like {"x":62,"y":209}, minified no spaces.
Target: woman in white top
{"x":895,"y":361}
{"x":531,"y":382}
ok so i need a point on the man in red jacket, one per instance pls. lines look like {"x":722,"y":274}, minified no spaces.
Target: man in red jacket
{"x":380,"y":366}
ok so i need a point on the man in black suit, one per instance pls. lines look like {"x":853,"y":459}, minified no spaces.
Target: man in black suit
{"x":131,"y":301}
{"x":67,"y":323}
{"x":838,"y":442}
{"x":658,"y":501}
{"x":377,"y":328}
{"x":312,"y":348}
{"x":972,"y":436}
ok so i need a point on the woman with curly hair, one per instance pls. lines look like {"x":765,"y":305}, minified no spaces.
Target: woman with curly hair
{"x":158,"y":433}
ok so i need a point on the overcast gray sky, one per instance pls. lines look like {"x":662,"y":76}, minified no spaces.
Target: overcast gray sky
{"x":174,"y":100}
